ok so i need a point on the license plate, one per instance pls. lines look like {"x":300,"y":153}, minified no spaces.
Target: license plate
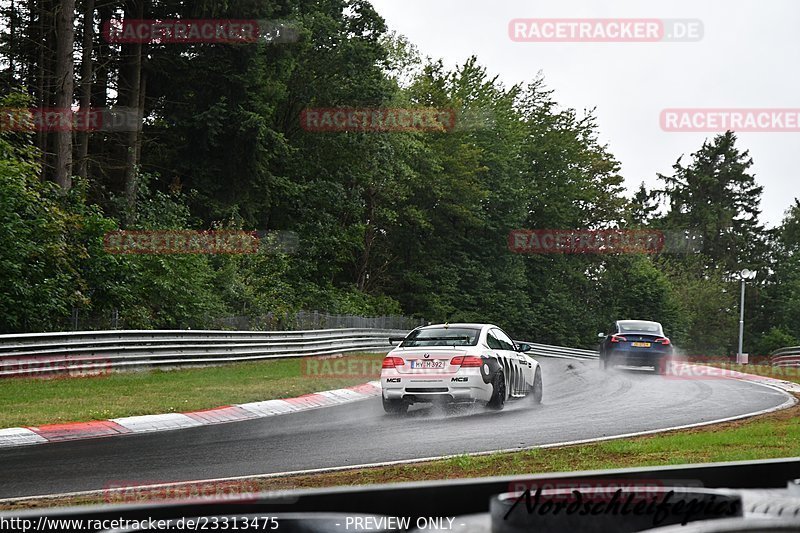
{"x":641,"y":344}
{"x":423,"y":363}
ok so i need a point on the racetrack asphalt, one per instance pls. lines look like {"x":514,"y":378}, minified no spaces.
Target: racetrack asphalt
{"x":580,"y":402}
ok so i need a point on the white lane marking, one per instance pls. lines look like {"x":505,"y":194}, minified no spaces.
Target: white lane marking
{"x":145,"y":423}
{"x":19,"y":437}
{"x":350,"y":395}
{"x":268,"y":408}
{"x":341,"y":395}
{"x":790,"y":401}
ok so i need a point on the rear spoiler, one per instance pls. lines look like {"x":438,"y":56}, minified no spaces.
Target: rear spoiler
{"x":392,"y":340}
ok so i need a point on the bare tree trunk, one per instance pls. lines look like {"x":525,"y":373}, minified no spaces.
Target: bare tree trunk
{"x":100,"y":88}
{"x":135,"y":98}
{"x":42,"y":88}
{"x":86,"y":86}
{"x":12,"y":51}
{"x":362,"y":281}
{"x":65,"y":84}
{"x":140,"y":115}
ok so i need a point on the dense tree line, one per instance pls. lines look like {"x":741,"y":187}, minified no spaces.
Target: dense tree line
{"x":405,"y":222}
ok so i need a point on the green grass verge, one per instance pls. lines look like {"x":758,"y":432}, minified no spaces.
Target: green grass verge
{"x":33,"y":402}
{"x":767,"y":436}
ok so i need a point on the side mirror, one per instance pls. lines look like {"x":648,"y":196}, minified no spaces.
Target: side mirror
{"x":396,"y":340}
{"x":601,"y":335}
{"x":523,"y":347}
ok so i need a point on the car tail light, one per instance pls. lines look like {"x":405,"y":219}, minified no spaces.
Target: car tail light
{"x":663,"y":340}
{"x":466,"y":361}
{"x":617,"y":338}
{"x":392,"y":362}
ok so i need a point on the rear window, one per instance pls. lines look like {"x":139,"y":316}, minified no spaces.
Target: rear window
{"x":442,"y":337}
{"x":644,"y":327}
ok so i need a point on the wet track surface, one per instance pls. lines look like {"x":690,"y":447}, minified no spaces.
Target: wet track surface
{"x":580,"y":402}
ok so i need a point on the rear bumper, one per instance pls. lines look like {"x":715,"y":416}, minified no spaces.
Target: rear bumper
{"x":459,"y":387}
{"x":637,"y":357}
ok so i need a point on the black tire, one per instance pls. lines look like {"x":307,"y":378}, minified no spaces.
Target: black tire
{"x":498,"y":399}
{"x":537,"y":390}
{"x":394,"y":407}
{"x":661,"y":366}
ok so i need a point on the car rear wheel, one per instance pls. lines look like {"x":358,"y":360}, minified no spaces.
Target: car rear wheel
{"x":498,"y":399}
{"x":395,"y":407}
{"x":537,"y":390}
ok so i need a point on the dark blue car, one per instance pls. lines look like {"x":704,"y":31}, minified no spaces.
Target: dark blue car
{"x":635,"y":343}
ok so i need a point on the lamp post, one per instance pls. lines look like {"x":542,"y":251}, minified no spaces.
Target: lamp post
{"x":744,"y":275}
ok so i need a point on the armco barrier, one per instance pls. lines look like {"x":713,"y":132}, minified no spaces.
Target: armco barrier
{"x":49,"y":353}
{"x":547,"y":350}
{"x":786,"y":357}
{"x":81,"y":353}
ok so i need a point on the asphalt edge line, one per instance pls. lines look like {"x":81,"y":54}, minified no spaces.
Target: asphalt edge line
{"x":790,"y":401}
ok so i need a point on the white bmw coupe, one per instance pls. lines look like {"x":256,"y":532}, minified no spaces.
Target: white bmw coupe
{"x":458,"y":363}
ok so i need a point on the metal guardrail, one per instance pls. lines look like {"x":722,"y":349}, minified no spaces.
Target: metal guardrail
{"x":547,"y":350}
{"x":786,"y":357}
{"x":96,"y":352}
{"x":81,"y":353}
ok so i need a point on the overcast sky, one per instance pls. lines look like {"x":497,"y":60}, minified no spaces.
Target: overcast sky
{"x":748,"y":57}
